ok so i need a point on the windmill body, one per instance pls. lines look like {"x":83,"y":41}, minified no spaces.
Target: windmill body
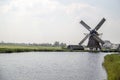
{"x":94,"y":41}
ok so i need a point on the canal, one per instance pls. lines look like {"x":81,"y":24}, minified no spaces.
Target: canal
{"x":52,"y":66}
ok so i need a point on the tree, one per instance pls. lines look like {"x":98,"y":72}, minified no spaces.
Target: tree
{"x":63,"y":45}
{"x":56,"y":43}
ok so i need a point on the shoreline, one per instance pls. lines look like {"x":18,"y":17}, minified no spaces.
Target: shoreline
{"x":13,"y":50}
{"x":112,"y":66}
{"x":9,"y":48}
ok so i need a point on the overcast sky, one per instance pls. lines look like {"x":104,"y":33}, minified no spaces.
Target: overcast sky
{"x":42,"y":21}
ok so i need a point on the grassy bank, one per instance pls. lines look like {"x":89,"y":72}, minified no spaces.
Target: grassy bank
{"x":25,"y":48}
{"x":10,"y":48}
{"x":112,"y":66}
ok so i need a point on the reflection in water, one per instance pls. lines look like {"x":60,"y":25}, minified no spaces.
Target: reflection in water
{"x":52,"y":66}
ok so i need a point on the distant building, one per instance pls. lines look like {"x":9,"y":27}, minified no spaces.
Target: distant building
{"x":118,"y":49}
{"x":115,"y":46}
{"x":107,"y":44}
{"x":75,"y":47}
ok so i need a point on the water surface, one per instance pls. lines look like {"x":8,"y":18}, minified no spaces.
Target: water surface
{"x":52,"y":66}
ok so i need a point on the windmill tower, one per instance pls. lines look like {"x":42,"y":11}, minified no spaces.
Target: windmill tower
{"x":94,"y":41}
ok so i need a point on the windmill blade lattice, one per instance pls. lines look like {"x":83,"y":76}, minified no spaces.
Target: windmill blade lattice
{"x":85,"y":25}
{"x":100,"y":24}
{"x":83,"y":40}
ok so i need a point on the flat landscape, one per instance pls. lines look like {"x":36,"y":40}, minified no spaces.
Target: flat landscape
{"x":26,"y":48}
{"x":11,"y":48}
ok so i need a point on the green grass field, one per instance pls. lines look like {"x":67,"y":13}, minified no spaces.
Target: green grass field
{"x":6,"y":48}
{"x":112,"y":66}
{"x":25,"y":48}
{"x":10,"y":48}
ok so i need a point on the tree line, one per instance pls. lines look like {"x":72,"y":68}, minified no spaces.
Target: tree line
{"x":55,"y":44}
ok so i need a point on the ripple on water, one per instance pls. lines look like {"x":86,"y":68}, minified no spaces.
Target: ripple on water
{"x":52,"y":66}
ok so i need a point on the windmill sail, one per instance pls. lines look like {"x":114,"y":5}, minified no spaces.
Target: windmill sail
{"x":100,"y":24}
{"x":85,"y":25}
{"x":82,"y":41}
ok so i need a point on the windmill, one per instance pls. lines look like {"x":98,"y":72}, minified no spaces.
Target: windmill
{"x":94,"y":41}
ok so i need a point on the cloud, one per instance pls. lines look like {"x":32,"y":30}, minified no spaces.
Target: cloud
{"x":24,"y":7}
{"x":45,"y":19}
{"x":75,"y":7}
{"x":41,"y":7}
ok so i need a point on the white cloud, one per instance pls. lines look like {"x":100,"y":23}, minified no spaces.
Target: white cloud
{"x":26,"y":7}
{"x":42,"y":7}
{"x":46,"y":20}
{"x":75,"y":7}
